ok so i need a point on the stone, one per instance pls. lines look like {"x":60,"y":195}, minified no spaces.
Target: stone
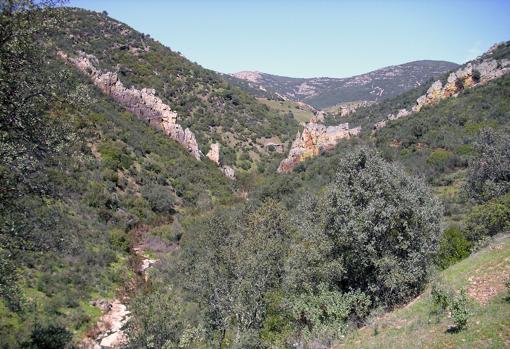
{"x":143,"y":103}
{"x":229,"y":172}
{"x":315,"y":139}
{"x":214,"y":153}
{"x":462,"y":78}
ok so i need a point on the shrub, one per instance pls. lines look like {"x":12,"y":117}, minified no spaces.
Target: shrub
{"x":453,"y":247}
{"x":440,"y":159}
{"x":159,"y":197}
{"x":51,"y":337}
{"x":476,"y":75}
{"x":374,"y":229}
{"x":324,"y":315}
{"x":114,"y":155}
{"x":445,"y":300}
{"x":489,"y":172}
{"x":460,"y":311}
{"x":489,"y":219}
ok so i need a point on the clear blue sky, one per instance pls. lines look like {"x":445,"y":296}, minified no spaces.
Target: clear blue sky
{"x":315,"y":38}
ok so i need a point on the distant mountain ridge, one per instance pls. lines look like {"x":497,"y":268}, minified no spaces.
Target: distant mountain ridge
{"x":324,"y":92}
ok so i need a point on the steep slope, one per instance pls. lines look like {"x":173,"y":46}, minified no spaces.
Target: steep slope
{"x":328,"y":92}
{"x":475,"y":74}
{"x":122,"y":175}
{"x":212,"y":110}
{"x":483,"y":276}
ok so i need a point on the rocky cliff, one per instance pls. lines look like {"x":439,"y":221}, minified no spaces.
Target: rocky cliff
{"x":143,"y":103}
{"x":473,"y":74}
{"x":315,"y":139}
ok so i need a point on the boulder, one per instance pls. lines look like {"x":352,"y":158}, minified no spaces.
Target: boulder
{"x":214,"y":153}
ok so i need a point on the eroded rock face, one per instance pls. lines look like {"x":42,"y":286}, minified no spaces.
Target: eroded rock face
{"x":143,"y":103}
{"x":228,"y":171}
{"x":346,"y":109}
{"x":214,"y":153}
{"x":471,"y":75}
{"x":315,"y":139}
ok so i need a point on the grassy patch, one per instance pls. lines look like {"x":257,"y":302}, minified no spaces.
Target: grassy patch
{"x":300,"y":114}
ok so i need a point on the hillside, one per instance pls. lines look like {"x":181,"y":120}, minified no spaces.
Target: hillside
{"x":317,"y":137}
{"x":116,"y":176}
{"x":202,"y":101}
{"x":324,"y":92}
{"x":415,"y":325}
{"x":145,"y":204}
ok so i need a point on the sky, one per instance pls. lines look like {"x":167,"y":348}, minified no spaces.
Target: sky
{"x":311,"y":38}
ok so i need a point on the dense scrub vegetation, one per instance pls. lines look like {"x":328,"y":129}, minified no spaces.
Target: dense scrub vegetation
{"x":79,"y":175}
{"x":265,"y":277}
{"x":268,"y":261}
{"x":212,"y":108}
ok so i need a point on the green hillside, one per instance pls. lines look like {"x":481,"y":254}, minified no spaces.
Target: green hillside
{"x":74,"y":247}
{"x":212,"y":108}
{"x":103,"y":215}
{"x":416,"y":325}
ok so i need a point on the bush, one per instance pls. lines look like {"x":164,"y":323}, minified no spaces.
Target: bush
{"x":324,"y":315}
{"x":489,"y":172}
{"x":453,"y":247}
{"x":445,"y":300}
{"x":440,"y":159}
{"x":51,"y":337}
{"x":374,"y":229}
{"x":489,"y":219}
{"x":159,"y":197}
{"x":460,"y":311}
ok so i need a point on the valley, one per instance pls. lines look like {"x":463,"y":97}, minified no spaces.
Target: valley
{"x":149,"y":202}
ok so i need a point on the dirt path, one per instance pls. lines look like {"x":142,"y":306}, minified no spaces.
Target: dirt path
{"x":108,"y":331}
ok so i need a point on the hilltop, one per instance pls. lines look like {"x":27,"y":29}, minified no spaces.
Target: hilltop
{"x":325,"y":92}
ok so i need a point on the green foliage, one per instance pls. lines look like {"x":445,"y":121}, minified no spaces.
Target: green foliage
{"x":489,"y":171}
{"x":50,"y":337}
{"x":460,"y":310}
{"x":231,"y":262}
{"x":489,"y":219}
{"x":456,"y":303}
{"x":369,"y":231}
{"x":163,"y":319}
{"x":453,"y":247}
{"x":204,"y":101}
{"x":9,"y":290}
{"x":159,"y":198}
{"x":440,"y":158}
{"x":325,"y":314}
{"x":113,"y":155}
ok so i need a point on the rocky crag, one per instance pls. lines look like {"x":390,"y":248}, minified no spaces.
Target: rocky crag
{"x":143,"y":103}
{"x":214,"y":156}
{"x":315,"y":139}
{"x":345,"y":109}
{"x":471,"y":75}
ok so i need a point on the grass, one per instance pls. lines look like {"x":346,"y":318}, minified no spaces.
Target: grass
{"x":414,"y":325}
{"x":300,"y":114}
{"x":450,"y":193}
